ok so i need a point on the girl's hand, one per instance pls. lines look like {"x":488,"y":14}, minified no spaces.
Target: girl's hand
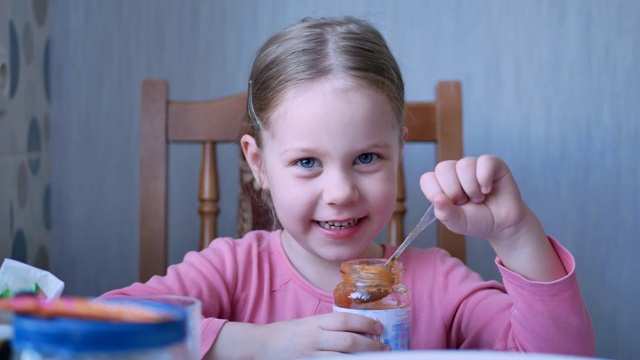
{"x":476,"y":197}
{"x":312,"y":336}
{"x":324,"y":334}
{"x":479,"y":197}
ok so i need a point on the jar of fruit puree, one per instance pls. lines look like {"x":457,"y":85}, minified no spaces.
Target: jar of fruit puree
{"x":374,"y":289}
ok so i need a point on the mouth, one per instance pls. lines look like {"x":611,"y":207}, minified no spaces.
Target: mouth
{"x":338,"y":225}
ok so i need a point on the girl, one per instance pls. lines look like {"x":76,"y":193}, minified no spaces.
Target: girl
{"x":326,"y":100}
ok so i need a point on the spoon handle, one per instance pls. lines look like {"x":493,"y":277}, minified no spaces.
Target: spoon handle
{"x":428,"y":217}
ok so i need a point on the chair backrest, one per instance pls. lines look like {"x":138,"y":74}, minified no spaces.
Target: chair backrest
{"x":163,"y":121}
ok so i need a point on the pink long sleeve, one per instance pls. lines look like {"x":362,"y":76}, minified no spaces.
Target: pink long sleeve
{"x":251,"y":280}
{"x":549,"y":317}
{"x":475,"y":314}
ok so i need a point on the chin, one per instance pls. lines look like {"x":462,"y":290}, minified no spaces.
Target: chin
{"x":340,"y":256}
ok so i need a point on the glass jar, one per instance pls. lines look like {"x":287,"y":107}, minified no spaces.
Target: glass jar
{"x":58,"y":338}
{"x":373,"y":289}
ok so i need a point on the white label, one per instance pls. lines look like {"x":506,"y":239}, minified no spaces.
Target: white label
{"x":396,"y":323}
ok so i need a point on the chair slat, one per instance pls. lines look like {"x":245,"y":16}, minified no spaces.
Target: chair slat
{"x":208,"y":194}
{"x":395,"y":230}
{"x":450,"y":147}
{"x":153,"y":179}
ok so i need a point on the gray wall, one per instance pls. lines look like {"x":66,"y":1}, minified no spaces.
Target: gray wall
{"x":25,"y":189}
{"x":550,"y":86}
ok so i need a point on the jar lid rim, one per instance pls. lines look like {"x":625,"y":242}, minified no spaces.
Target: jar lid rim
{"x":71,"y":335}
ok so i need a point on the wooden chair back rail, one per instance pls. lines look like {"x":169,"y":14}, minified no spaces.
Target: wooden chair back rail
{"x":208,"y":122}
{"x":213,"y":120}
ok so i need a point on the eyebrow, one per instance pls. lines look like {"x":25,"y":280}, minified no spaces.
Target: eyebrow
{"x":368,"y":148}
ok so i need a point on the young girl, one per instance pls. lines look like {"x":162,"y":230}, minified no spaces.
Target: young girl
{"x":326,"y":110}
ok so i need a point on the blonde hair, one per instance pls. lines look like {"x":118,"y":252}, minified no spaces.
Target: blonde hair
{"x":316,"y":48}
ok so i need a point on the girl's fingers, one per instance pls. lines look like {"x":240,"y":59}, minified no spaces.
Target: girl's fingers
{"x":342,"y":321}
{"x":430,"y":187}
{"x":466,"y":179}
{"x":494,"y":174}
{"x":345,"y":333}
{"x":445,"y":210}
{"x":347,"y":342}
{"x":466,"y":172}
{"x":488,"y":169}
{"x":449,"y":182}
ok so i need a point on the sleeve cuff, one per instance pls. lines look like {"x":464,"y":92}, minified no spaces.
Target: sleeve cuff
{"x":208,"y":333}
{"x":563,"y":254}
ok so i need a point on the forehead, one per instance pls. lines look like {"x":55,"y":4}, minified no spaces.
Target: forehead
{"x":334,"y":102}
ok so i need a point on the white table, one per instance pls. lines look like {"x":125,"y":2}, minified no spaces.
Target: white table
{"x":455,"y":355}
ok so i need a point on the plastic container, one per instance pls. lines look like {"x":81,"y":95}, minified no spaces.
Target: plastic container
{"x":374,"y":290}
{"x":38,"y":338}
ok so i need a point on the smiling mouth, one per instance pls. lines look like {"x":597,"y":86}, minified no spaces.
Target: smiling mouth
{"x":338,"y":225}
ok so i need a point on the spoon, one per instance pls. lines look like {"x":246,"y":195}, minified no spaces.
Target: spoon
{"x":426,"y":220}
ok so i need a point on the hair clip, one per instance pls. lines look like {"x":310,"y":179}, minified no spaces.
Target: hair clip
{"x":255,"y":122}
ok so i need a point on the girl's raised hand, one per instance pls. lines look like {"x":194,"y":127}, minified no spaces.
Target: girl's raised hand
{"x":476,"y":197}
{"x":479,"y":197}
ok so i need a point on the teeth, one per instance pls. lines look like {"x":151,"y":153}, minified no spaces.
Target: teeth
{"x":333,"y":225}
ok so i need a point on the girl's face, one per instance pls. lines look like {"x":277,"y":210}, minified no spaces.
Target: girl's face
{"x":329,"y":161}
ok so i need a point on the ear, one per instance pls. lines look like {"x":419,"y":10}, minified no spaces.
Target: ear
{"x":405,"y":133}
{"x":254,"y":159}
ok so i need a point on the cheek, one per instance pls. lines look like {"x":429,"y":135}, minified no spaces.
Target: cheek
{"x":384,"y":191}
{"x":387,"y":199}
{"x":285,"y":193}
{"x":292,"y":207}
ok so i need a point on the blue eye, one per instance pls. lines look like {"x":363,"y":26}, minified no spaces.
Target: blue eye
{"x":366,"y":158}
{"x":307,"y":163}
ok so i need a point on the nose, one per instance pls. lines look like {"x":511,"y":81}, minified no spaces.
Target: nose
{"x":340,"y":188}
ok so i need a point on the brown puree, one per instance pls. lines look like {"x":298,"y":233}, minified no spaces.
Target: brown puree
{"x":368,"y":283}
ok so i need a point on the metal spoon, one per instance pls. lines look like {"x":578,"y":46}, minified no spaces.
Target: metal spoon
{"x":426,"y":220}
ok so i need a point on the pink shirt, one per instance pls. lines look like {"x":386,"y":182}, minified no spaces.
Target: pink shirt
{"x":251,"y":280}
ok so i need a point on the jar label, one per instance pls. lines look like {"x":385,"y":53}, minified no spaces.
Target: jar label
{"x":396,"y":323}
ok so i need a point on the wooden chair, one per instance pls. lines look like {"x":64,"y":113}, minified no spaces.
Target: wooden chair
{"x":164,"y":121}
